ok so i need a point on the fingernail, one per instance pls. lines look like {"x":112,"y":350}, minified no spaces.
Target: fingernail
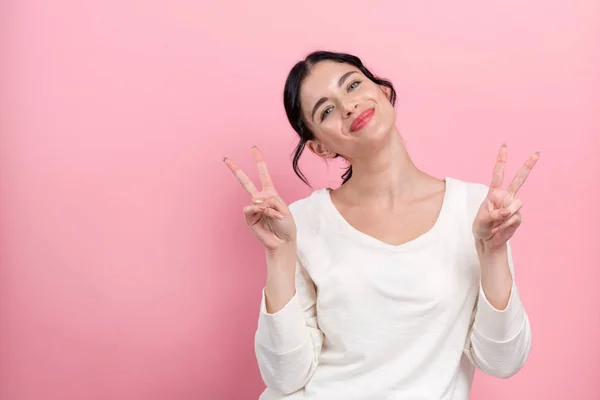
{"x":278,"y":216}
{"x":503,"y":144}
{"x":538,"y":153}
{"x":253,"y":147}
{"x":224,"y":158}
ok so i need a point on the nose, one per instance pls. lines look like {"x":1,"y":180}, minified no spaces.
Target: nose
{"x":349,"y":108}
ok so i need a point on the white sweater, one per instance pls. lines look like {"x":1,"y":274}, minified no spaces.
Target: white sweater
{"x":373,"y":321}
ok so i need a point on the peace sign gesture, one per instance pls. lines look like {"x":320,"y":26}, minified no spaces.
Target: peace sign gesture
{"x":268,"y":216}
{"x":498,"y":217}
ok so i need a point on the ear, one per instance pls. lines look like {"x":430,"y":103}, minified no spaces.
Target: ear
{"x":387,"y":91}
{"x":319,"y":149}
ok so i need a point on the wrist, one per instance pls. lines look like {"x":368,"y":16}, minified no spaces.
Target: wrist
{"x":283,"y":258}
{"x":284,"y":251}
{"x":484,"y":250}
{"x":281,"y":277}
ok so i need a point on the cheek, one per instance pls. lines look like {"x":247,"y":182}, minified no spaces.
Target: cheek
{"x":333,"y":123}
{"x":329,"y":130}
{"x":388,"y":114}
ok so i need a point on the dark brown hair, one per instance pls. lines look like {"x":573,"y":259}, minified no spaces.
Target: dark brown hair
{"x":291,"y":99}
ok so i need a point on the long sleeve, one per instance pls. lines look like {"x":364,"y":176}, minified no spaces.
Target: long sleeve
{"x":288,"y":342}
{"x":500,"y":340}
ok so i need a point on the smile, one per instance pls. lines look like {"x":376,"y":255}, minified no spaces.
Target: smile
{"x":362,"y":120}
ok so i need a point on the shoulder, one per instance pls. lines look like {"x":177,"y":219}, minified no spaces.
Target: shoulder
{"x":313,"y":224}
{"x":470,"y":195}
{"x":471,"y":190}
{"x":308,"y":210}
{"x":306,"y":205}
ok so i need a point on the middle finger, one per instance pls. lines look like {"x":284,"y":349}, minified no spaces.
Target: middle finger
{"x":242,"y":178}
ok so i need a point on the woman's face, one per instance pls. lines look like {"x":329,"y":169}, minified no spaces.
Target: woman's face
{"x":348,"y":113}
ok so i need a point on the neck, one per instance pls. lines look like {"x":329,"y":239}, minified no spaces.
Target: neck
{"x":390,"y":174}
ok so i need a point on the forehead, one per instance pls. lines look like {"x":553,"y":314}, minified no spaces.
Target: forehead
{"x":322,"y":79}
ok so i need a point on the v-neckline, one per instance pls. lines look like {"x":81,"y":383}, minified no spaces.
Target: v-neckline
{"x":350,"y":230}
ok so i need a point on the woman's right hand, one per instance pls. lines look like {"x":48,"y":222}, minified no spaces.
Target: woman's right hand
{"x":268,"y":216}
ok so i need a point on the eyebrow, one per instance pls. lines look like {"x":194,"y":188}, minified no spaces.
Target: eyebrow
{"x":324,"y":99}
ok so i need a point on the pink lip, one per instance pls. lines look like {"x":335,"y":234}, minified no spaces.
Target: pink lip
{"x":362,"y":120}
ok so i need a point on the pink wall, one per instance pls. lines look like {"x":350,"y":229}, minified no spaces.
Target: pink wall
{"x":126,"y":268}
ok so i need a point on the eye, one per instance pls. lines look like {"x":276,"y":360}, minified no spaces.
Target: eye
{"x":353,"y":85}
{"x":326,"y":112}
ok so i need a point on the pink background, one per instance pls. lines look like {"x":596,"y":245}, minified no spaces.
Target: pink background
{"x":126,"y":269}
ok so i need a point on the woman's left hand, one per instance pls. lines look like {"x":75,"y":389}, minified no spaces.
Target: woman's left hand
{"x":499,"y":217}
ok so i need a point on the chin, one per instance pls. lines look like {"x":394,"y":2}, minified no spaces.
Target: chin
{"x":386,"y":119}
{"x":374,"y":139}
{"x":382,"y":130}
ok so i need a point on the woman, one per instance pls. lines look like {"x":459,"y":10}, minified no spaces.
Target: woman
{"x":396,"y":285}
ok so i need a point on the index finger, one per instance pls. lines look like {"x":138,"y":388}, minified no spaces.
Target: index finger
{"x":521,"y":176}
{"x":242,"y":177}
{"x":498,"y":175}
{"x":263,"y":171}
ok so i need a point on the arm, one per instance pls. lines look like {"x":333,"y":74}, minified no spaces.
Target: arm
{"x":288,"y":340}
{"x":500,"y":338}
